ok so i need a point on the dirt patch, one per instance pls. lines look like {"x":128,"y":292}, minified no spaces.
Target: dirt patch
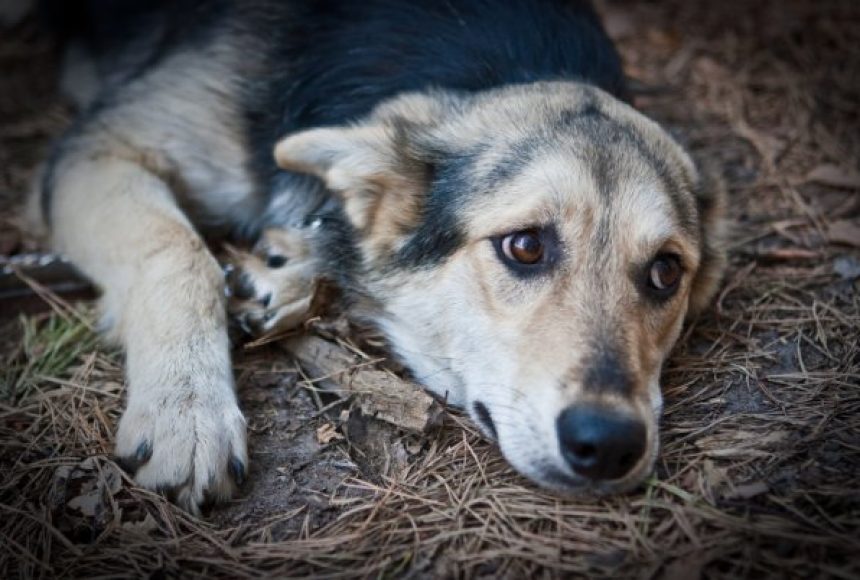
{"x":761,"y":436}
{"x":291,"y":470}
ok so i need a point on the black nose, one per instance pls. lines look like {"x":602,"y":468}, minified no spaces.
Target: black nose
{"x":598,"y":443}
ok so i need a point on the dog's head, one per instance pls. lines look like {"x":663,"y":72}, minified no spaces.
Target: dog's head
{"x":532,"y":253}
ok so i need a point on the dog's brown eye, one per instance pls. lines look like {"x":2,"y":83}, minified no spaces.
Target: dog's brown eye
{"x":525,"y":247}
{"x":530,"y":252}
{"x":665,"y":273}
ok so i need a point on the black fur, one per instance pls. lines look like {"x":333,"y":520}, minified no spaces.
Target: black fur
{"x":438,"y":235}
{"x":330,"y":62}
{"x":335,"y":60}
{"x":485,"y":418}
{"x":132,"y":36}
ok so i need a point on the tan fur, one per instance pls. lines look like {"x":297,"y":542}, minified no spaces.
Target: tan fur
{"x":121,"y":201}
{"x":164,"y":303}
{"x":282,"y":297}
{"x":128,"y":189}
{"x":472,"y":332}
{"x":362,"y":166}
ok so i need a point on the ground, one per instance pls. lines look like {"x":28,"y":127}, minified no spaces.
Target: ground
{"x":761,"y":456}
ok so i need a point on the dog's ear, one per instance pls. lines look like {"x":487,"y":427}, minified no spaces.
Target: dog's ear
{"x":710,"y":201}
{"x":369,"y":166}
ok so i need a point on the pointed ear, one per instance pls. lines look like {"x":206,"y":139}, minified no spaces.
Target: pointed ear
{"x":710,"y":200}
{"x":368,"y":166}
{"x":343,"y":157}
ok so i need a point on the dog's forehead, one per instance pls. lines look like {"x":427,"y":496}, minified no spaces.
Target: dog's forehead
{"x":555,"y":153}
{"x":559,"y":147}
{"x":573,"y":189}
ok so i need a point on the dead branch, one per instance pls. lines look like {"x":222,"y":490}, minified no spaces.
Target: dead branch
{"x":380,"y":394}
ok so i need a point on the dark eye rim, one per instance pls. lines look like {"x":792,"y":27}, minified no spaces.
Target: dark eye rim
{"x":662,"y":294}
{"x":548,"y":238}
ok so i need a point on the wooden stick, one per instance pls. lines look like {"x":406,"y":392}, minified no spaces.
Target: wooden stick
{"x":380,"y":393}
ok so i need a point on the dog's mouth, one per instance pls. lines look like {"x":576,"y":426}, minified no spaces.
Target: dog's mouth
{"x":485,"y":420}
{"x":561,"y":482}
{"x":557,"y":473}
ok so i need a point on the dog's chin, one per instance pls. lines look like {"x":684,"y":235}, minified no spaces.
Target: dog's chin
{"x":564,"y":482}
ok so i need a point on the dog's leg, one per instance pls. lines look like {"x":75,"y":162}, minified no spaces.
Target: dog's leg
{"x":182,"y":432}
{"x":272,"y":288}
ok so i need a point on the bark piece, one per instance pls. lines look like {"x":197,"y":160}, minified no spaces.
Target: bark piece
{"x":379,"y":393}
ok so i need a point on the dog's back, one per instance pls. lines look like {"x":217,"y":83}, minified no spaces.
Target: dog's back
{"x":307,"y":63}
{"x":332,"y":61}
{"x":345,"y":57}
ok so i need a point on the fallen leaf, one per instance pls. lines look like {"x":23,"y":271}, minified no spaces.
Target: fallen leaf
{"x":143,"y":527}
{"x":89,"y":504}
{"x":834,"y":176}
{"x":328,"y":433}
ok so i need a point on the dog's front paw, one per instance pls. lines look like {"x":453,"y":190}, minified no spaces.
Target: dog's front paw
{"x":272,"y":288}
{"x":192,"y":450}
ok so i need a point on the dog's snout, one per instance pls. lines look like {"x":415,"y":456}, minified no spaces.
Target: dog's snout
{"x":607,"y":372}
{"x":600,"y":444}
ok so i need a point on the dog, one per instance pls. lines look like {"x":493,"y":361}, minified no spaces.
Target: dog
{"x":469,"y":172}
